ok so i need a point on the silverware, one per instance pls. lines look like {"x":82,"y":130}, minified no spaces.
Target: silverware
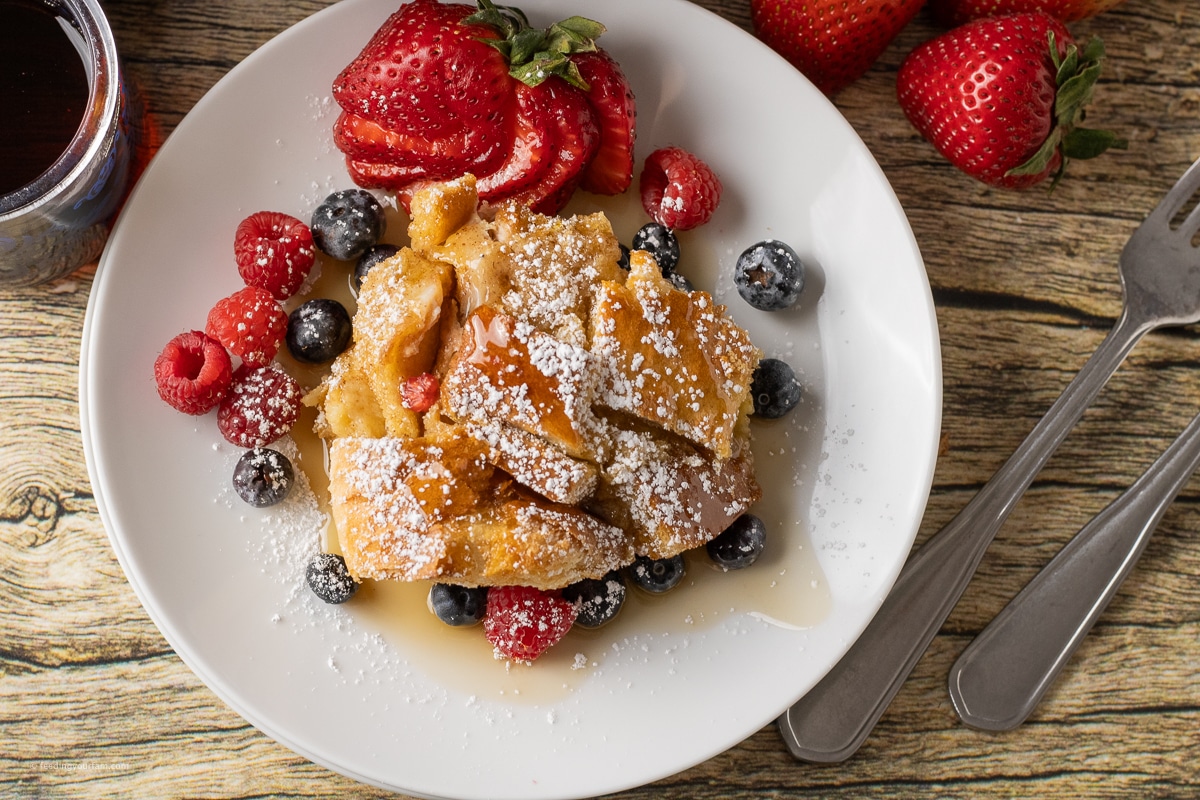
{"x":1003,"y":674}
{"x":1160,"y":281}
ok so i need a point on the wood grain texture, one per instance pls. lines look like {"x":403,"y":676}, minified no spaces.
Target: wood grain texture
{"x":94,"y":703}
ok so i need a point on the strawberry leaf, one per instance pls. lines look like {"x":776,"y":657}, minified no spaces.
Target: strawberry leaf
{"x":534,"y":55}
{"x":1089,"y":143}
{"x":1038,"y":162}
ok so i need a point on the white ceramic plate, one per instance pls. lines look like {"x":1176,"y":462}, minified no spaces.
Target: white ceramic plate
{"x":392,"y":698}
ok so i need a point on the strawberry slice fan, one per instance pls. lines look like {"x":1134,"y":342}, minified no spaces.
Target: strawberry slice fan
{"x":532,"y":113}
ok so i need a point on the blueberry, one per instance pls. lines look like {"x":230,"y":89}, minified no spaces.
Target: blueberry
{"x":329,"y":579}
{"x":774,"y":388}
{"x":263,"y":477}
{"x":659,"y":241}
{"x":657,"y":575}
{"x":458,"y":605}
{"x":739,"y":545}
{"x":769,"y":275}
{"x":318,"y":331}
{"x":599,"y":600}
{"x":680,"y":282}
{"x":347,"y":223}
{"x":623,"y":261}
{"x":372,"y":256}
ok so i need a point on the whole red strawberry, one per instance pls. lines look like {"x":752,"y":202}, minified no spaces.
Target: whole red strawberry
{"x":522,"y":622}
{"x":833,"y":42}
{"x":274,"y":251}
{"x":1002,"y":98}
{"x":952,"y":13}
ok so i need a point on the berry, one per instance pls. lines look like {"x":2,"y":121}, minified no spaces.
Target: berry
{"x":528,"y":112}
{"x":678,"y":189}
{"x":458,"y":605}
{"x":739,"y":545}
{"x":193,"y":373}
{"x":371,"y":257}
{"x":318,"y":331}
{"x":659,"y":241}
{"x":680,"y":282}
{"x":251,"y":323}
{"x":329,"y":578}
{"x":657,"y":575}
{"x":611,"y":170}
{"x":523,"y":622}
{"x":419,"y":392}
{"x":774,"y":388}
{"x":262,"y":404}
{"x":952,"y":13}
{"x":833,"y":42}
{"x":598,"y":600}
{"x":263,"y":477}
{"x":1002,"y":98}
{"x":347,"y":223}
{"x":769,"y":275}
{"x":274,"y":252}
{"x":623,"y":260}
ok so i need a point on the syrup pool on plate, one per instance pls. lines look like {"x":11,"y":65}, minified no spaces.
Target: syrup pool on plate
{"x":785,"y":587}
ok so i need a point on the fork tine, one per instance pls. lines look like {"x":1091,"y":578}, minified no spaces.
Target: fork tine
{"x":1179,"y":194}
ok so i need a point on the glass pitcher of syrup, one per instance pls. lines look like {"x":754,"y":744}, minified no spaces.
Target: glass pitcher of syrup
{"x":65,"y":137}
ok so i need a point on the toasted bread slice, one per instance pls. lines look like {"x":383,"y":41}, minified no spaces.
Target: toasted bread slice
{"x":507,"y":371}
{"x":672,"y":358}
{"x":411,"y":509}
{"x":396,"y":329}
{"x":556,"y":265}
{"x":346,"y":401}
{"x":670,"y":496}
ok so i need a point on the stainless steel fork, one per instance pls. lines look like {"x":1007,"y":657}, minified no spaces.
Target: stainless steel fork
{"x":1160,"y":279}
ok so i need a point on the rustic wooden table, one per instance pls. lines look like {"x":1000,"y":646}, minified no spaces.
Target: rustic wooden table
{"x":93,"y":702}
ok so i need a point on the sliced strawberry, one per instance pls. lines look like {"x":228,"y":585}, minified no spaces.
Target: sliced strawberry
{"x":434,"y":81}
{"x":610,"y":95}
{"x":373,"y":175}
{"x":577,"y":135}
{"x":531,"y":153}
{"x":366,"y":141}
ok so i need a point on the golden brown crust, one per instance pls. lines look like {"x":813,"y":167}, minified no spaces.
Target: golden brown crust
{"x":410,"y":509}
{"x":513,"y":477}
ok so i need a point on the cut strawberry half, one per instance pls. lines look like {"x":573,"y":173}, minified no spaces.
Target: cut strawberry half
{"x":576,"y":134}
{"x":531,"y":150}
{"x":611,"y":170}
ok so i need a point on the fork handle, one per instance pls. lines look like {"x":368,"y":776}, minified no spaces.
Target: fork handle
{"x":830,"y":722}
{"x":1000,"y":678}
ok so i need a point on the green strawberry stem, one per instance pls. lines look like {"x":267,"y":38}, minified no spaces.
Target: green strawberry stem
{"x":534,"y":55}
{"x":1076,"y":74}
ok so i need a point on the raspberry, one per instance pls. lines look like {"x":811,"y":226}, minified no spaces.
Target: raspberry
{"x":262,"y":404}
{"x":274,"y":252}
{"x":251,"y":323}
{"x":523,"y":622}
{"x":193,"y":372}
{"x":419,"y":392}
{"x":678,"y":189}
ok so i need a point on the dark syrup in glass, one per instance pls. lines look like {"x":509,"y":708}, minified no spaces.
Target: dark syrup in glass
{"x":43,"y":90}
